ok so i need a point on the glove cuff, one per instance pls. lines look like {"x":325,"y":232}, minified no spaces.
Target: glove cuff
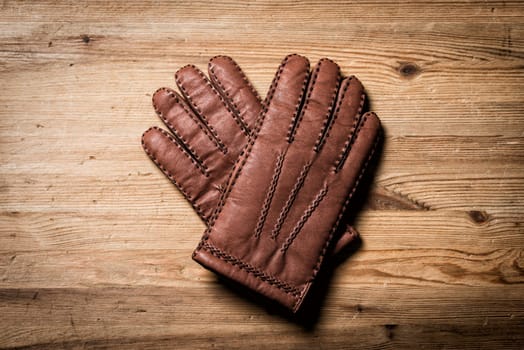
{"x":225,"y":264}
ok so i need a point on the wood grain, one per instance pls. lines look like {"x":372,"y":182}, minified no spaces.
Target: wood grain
{"x":95,"y":243}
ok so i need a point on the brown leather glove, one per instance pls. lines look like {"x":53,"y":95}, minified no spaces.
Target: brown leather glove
{"x":210,"y":125}
{"x":291,"y":184}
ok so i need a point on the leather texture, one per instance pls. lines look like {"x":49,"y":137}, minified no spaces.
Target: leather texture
{"x":209,"y":123}
{"x":292,"y":182}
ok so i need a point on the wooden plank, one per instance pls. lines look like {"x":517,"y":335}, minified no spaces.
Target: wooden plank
{"x":361,"y":317}
{"x":484,"y":172}
{"x":423,"y":190}
{"x":457,"y":265}
{"x":171,"y":226}
{"x":194,"y":13}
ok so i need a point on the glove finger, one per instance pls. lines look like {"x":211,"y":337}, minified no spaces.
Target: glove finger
{"x":356,"y":155}
{"x":212,"y":109}
{"x":230,"y":81}
{"x":174,"y":158}
{"x":318,"y":105}
{"x":188,"y":128}
{"x":284,"y":99}
{"x":337,"y":134}
{"x":345,"y":240}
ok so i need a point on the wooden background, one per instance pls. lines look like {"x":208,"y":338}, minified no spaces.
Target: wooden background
{"x":95,"y":243}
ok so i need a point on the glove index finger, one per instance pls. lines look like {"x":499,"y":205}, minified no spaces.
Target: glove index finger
{"x":284,"y":99}
{"x":229,"y":80}
{"x":318,"y":103}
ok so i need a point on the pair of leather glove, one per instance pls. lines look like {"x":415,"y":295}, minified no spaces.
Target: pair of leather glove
{"x":271,"y":179}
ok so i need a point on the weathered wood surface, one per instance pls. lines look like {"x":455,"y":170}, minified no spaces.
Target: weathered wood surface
{"x":95,"y":244}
